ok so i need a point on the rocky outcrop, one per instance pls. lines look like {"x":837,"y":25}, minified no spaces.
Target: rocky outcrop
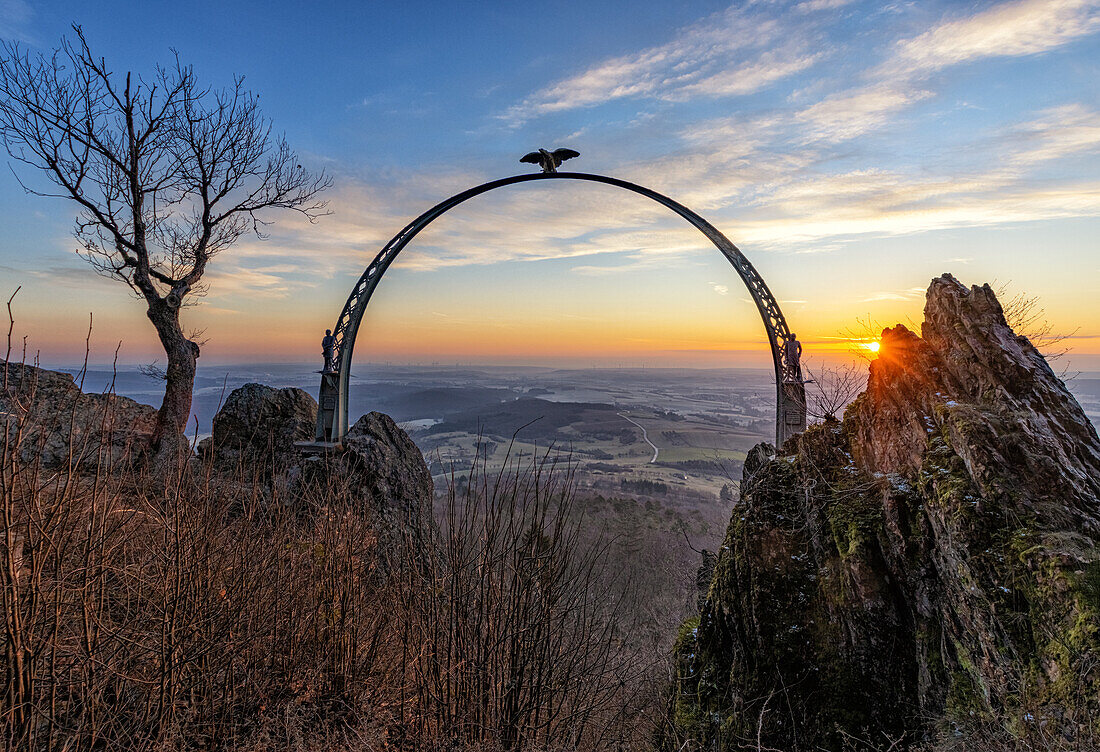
{"x":380,"y":471}
{"x":387,"y":466}
{"x":380,"y":466}
{"x":47,"y":418}
{"x":929,"y":565}
{"x":256,"y":428}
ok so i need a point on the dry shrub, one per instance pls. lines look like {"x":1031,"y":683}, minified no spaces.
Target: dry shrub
{"x":145,"y":611}
{"x":521,"y":632}
{"x":183,"y":609}
{"x":830,"y":389}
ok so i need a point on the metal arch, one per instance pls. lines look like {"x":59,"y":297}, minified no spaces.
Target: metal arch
{"x":332,"y":415}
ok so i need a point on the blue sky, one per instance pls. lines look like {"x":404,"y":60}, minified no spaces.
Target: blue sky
{"x":853,"y":150}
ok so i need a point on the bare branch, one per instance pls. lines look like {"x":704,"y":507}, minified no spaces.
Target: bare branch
{"x":153,"y":371}
{"x":829,"y":389}
{"x":1027,"y":317}
{"x":165,"y":175}
{"x":11,"y":328}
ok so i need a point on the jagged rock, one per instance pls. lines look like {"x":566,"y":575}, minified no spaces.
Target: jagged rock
{"x":997,"y":399}
{"x":379,"y":470}
{"x":380,"y":467}
{"x":932,"y":562}
{"x":257,"y":426}
{"x":48,"y":418}
{"x":388,"y":466}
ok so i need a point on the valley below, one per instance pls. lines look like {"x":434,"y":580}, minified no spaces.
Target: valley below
{"x":701,"y":421}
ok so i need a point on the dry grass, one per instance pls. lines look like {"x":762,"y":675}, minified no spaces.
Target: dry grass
{"x":185,"y":610}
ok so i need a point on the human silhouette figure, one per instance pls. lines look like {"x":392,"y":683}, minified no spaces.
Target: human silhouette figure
{"x":792,"y":349}
{"x":328,"y":349}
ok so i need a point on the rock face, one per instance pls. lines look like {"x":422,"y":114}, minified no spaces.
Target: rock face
{"x":379,"y":466}
{"x":257,"y":426}
{"x":929,"y":565}
{"x":387,"y":466}
{"x":380,"y":470}
{"x":47,"y":418}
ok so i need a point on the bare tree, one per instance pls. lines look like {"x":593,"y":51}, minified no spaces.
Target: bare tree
{"x":167,"y":174}
{"x":829,"y":389}
{"x":1026,"y":316}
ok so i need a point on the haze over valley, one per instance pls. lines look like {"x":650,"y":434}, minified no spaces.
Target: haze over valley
{"x":701,"y":421}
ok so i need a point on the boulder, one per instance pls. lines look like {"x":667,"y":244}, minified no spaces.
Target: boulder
{"x":48,"y":419}
{"x":387,"y":466}
{"x":929,"y":565}
{"x":380,"y":471}
{"x":257,"y":426}
{"x":378,"y":468}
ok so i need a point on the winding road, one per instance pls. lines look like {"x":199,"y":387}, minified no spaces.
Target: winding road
{"x":644,"y":436}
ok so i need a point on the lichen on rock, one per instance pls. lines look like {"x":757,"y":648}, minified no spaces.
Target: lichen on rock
{"x":48,"y":419}
{"x":257,"y":427}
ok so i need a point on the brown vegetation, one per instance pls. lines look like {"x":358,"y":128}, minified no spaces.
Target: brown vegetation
{"x":830,"y":389}
{"x":192,"y":611}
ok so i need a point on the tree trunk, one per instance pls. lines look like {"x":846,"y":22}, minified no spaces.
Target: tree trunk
{"x":182,"y":356}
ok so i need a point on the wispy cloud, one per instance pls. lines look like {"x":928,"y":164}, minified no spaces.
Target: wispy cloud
{"x":912,"y":293}
{"x":1025,"y":27}
{"x":1012,"y":29}
{"x":812,"y":6}
{"x":748,"y":77}
{"x":241,"y":280}
{"x":783,"y":207}
{"x":735,"y":52}
{"x":588,"y":270}
{"x":864,"y":217}
{"x":785,"y":177}
{"x":1057,"y":132}
{"x":75,"y":275}
{"x":217,"y":311}
{"x":15,"y":15}
{"x":852,"y":113}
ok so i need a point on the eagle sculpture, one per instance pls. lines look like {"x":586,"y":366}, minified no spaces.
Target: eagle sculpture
{"x":550,"y":161}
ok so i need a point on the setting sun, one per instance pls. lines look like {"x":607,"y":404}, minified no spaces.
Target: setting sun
{"x":872,"y":346}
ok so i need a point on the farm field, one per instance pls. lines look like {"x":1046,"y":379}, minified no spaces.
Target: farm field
{"x":700,"y":425}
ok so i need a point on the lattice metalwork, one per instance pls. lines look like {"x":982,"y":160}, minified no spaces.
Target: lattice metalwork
{"x":332,"y":417}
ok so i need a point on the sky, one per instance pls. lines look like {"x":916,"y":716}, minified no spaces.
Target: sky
{"x":852,"y":150}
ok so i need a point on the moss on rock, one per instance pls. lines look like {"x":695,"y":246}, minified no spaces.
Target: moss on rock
{"x":931,"y":562}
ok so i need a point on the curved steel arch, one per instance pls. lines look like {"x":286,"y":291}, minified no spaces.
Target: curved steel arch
{"x":332,"y":415}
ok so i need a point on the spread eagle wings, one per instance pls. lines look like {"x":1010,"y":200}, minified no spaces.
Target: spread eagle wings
{"x":549,"y":159}
{"x":560,"y":155}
